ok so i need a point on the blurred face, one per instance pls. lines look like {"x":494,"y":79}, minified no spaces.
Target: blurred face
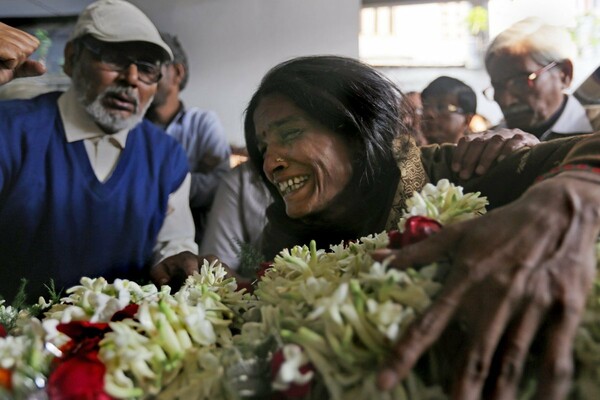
{"x":167,"y":91}
{"x":164,"y":86}
{"x":115,"y":100}
{"x":309,"y":164}
{"x":443,"y":121}
{"x":413,"y":119}
{"x":527,"y":103}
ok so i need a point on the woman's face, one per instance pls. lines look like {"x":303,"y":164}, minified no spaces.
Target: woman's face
{"x":308,"y":163}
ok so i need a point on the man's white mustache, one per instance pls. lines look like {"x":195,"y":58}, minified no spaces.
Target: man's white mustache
{"x":128,"y":93}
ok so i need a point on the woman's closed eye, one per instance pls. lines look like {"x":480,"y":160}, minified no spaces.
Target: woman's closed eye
{"x":283,"y":136}
{"x":290,"y":134}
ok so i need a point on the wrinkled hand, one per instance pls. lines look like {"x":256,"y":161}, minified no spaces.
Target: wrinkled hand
{"x":15,"y":48}
{"x":518,"y":269}
{"x":475,"y":153}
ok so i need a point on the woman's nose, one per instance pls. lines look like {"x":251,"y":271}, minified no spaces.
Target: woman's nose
{"x":273,"y":161}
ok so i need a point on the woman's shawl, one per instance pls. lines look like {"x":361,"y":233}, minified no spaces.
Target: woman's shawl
{"x":412,"y":178}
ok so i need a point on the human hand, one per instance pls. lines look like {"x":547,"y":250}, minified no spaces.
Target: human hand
{"x":519,"y":269}
{"x":15,"y":48}
{"x":175,"y":269}
{"x":475,"y":153}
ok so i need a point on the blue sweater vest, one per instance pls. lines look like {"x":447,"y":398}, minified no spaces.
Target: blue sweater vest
{"x":57,"y":221}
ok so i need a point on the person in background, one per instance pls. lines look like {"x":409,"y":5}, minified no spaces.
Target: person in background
{"x":448,"y":108}
{"x":87,"y":187}
{"x":237,"y":218}
{"x":530,"y":66}
{"x":199,"y":132}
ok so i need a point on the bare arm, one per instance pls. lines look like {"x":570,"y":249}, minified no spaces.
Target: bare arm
{"x":518,"y":270}
{"x":15,"y":48}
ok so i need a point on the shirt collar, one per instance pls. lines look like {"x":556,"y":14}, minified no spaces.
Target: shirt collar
{"x":180,"y":113}
{"x":573,"y":119}
{"x":78,"y":124}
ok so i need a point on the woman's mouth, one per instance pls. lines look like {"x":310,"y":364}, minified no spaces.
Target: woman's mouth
{"x":291,"y":184}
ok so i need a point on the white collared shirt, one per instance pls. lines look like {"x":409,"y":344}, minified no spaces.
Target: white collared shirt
{"x":572,"y":120}
{"x":177,"y":232}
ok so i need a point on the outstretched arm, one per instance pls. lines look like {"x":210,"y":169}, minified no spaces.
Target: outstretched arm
{"x":15,"y":48}
{"x":518,"y":270}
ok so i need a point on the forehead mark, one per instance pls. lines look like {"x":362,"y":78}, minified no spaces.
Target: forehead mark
{"x":279,"y":123}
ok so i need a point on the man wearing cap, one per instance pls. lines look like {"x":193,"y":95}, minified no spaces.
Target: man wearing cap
{"x":87,"y":187}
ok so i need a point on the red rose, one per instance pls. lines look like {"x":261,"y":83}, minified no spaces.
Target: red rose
{"x":416,"y":229}
{"x":295,"y":391}
{"x":79,"y":330}
{"x":79,"y":374}
{"x":395,"y":238}
{"x":127,"y":313}
{"x":80,"y":377}
{"x":3,"y":332}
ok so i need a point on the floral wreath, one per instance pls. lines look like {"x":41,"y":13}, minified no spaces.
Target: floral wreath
{"x":317,"y":325}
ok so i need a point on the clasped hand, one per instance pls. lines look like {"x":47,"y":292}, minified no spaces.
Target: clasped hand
{"x":16,"y":47}
{"x":477,"y":152}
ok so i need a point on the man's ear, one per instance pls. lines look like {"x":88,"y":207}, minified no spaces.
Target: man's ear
{"x":179,"y":73}
{"x":69,"y":54}
{"x":566,"y":72}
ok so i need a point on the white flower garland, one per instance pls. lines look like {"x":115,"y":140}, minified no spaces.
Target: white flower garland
{"x":338,"y":310}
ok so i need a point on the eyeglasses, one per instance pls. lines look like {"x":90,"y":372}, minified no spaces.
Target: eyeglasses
{"x":148,"y":73}
{"x":442,"y":109}
{"x":519,"y":84}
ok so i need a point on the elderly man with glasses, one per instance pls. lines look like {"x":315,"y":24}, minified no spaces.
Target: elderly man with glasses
{"x":87,"y":187}
{"x":530,"y":68}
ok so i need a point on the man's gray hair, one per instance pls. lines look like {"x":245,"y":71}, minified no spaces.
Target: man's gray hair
{"x":179,"y":55}
{"x":544,"y":43}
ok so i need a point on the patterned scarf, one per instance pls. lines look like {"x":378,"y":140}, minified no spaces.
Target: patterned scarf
{"x":412,"y":178}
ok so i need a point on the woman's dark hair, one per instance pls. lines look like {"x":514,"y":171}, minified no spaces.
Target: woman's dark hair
{"x":346,"y":96}
{"x":444,"y":85}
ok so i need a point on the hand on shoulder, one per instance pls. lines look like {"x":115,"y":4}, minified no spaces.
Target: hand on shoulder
{"x":475,"y":153}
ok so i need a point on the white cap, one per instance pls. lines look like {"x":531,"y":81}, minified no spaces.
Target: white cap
{"x":118,"y":21}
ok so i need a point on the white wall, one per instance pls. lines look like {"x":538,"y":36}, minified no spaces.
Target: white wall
{"x":231,"y":44}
